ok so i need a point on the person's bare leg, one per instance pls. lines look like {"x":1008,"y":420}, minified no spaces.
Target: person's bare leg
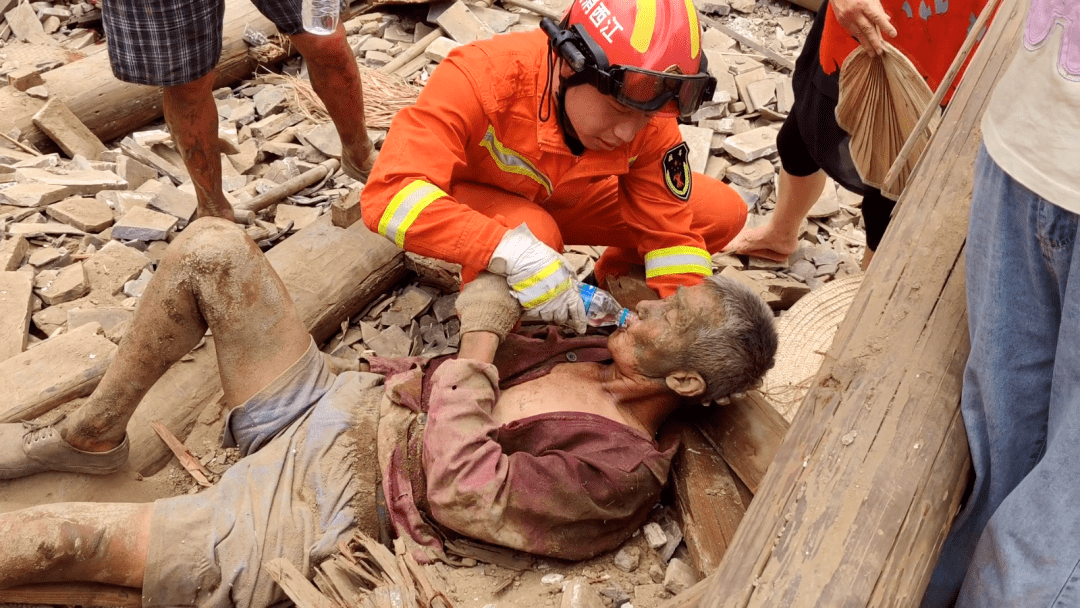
{"x":192,"y":117}
{"x":213,"y":276}
{"x":335,"y":77}
{"x":867,"y":256}
{"x":86,"y":542}
{"x":779,"y":237}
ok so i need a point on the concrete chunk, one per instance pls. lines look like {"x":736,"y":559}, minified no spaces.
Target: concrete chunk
{"x":699,"y":140}
{"x":170,"y":200}
{"x":679,"y":576}
{"x":409,"y":305}
{"x":298,"y":215}
{"x":141,"y":224}
{"x":80,"y":183}
{"x":64,"y":285}
{"x":16,"y":291}
{"x":134,"y":172}
{"x":34,"y":194}
{"x":70,"y":133}
{"x":440,"y":48}
{"x":112,"y":266}
{"x":87,"y":214}
{"x":462,"y":25}
{"x":751,"y":175}
{"x":752,"y":144}
{"x":13,"y":252}
{"x":53,"y":372}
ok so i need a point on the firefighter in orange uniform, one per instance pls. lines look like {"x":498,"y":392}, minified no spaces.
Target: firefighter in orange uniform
{"x":566,"y":135}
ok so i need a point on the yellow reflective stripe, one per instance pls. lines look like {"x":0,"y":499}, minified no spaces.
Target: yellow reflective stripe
{"x":551,"y":293}
{"x":695,"y":32}
{"x":404,"y":209}
{"x":677,"y":260}
{"x":512,"y":162}
{"x":644,"y":25}
{"x":543,"y":273}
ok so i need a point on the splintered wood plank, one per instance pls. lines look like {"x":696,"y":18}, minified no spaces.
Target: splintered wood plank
{"x":747,"y":433}
{"x":63,"y":127}
{"x":72,"y":594}
{"x":707,"y":498}
{"x":53,"y":372}
{"x":296,"y":585}
{"x":865,"y":486}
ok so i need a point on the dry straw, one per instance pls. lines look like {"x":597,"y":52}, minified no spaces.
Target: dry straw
{"x":384,"y":96}
{"x":881,"y":99}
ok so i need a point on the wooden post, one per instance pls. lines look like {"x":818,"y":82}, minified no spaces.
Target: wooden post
{"x":855,"y":507}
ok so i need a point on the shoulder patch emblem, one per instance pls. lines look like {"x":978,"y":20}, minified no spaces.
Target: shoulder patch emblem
{"x":677,"y":171}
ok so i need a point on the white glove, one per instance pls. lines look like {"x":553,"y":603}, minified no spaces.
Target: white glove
{"x":539,"y":278}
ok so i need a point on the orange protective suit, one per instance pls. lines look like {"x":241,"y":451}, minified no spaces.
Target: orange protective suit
{"x":471,"y":159}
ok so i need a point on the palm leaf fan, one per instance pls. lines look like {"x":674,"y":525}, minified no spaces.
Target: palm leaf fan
{"x":881,"y":99}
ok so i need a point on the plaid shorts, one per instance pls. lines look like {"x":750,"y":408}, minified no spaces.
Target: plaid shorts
{"x":170,"y":42}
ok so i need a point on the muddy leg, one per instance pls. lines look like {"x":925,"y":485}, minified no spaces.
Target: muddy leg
{"x":88,"y":542}
{"x":192,"y":117}
{"x":336,"y":79}
{"x":212,"y":276}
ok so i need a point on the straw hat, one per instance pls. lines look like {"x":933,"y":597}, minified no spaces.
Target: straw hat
{"x":881,"y":100}
{"x":806,"y":332}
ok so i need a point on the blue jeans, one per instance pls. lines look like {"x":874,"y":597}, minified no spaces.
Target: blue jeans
{"x":1016,"y":542}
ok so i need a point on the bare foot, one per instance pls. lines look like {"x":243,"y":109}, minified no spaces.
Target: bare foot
{"x":762,"y":242}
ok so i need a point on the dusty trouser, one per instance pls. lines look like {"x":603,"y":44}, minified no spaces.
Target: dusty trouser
{"x":211,"y":276}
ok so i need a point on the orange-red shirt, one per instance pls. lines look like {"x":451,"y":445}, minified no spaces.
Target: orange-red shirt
{"x":928,"y":32}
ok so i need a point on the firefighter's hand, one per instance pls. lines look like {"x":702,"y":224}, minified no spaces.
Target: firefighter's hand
{"x":539,"y":278}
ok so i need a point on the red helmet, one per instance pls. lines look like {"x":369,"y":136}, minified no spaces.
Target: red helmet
{"x":647,"y":54}
{"x":655,"y":35}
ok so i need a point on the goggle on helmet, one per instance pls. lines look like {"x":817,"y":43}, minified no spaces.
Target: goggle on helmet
{"x":671,"y":39}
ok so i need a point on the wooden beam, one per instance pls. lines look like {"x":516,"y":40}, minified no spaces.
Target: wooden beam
{"x":747,"y":433}
{"x":865,"y":486}
{"x":708,"y":499}
{"x":72,"y":594}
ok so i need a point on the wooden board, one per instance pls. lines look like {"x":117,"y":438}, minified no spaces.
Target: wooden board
{"x":865,"y":486}
{"x":72,"y":594}
{"x":707,"y":498}
{"x":747,"y":433}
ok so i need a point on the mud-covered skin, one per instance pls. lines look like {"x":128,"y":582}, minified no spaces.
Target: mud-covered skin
{"x":72,"y":541}
{"x":212,"y":276}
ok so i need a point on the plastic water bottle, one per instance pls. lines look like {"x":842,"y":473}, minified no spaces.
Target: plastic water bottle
{"x":320,"y":16}
{"x":601,"y":308}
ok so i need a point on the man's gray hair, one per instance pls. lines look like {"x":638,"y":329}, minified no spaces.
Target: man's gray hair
{"x":733,"y":354}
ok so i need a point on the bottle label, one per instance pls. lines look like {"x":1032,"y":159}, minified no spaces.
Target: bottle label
{"x":587,"y":293}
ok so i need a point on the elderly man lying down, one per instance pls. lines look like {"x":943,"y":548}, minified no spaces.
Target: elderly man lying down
{"x":539,"y":443}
